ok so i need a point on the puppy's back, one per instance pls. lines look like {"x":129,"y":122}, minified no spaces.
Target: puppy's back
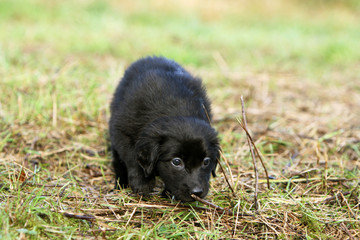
{"x":155,"y":87}
{"x":147,"y":74}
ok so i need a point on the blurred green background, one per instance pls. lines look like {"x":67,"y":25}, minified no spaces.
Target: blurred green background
{"x":84,"y":44}
{"x":61,"y":60}
{"x":302,"y":36}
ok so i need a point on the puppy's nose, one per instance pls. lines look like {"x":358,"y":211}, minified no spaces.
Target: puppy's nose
{"x":197,"y":191}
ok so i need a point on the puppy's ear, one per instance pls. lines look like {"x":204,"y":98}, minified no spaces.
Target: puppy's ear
{"x":213,"y":172}
{"x":147,"y":154}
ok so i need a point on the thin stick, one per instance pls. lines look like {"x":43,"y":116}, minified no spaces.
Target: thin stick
{"x":67,"y":149}
{"x":329,"y":199}
{"x":216,"y":207}
{"x":228,"y":166}
{"x":347,"y":204}
{"x":237,"y":218}
{"x":207,"y":114}
{"x":111,"y":209}
{"x":226,"y":179}
{"x":132,"y":214}
{"x":346,"y":230}
{"x":148,"y":206}
{"x":256,"y":151}
{"x":252,"y":155}
{"x":88,"y":217}
{"x":304,"y":180}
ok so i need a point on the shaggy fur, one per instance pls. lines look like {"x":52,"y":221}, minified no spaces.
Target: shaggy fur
{"x":159,"y":126}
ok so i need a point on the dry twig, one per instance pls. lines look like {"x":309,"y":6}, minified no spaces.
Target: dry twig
{"x":88,"y":217}
{"x":252,"y":155}
{"x":87,"y":151}
{"x":216,"y":207}
{"x":224,"y":173}
{"x":253,"y":148}
{"x":347,"y":204}
{"x":244,"y":127}
{"x":346,"y":230}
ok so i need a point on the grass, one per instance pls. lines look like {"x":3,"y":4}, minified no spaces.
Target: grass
{"x":296,"y":64}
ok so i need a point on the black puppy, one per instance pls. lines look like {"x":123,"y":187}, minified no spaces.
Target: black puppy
{"x":159,"y":126}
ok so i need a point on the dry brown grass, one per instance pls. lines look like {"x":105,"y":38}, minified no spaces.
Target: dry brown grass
{"x":308,"y":134}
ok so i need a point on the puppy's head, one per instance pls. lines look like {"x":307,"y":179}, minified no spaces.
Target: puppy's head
{"x":183,"y":152}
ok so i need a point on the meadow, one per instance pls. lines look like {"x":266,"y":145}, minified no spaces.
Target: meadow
{"x":296,"y":64}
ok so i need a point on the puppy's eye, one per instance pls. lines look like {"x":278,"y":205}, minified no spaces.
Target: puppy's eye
{"x":176,"y":162}
{"x":206,"y":161}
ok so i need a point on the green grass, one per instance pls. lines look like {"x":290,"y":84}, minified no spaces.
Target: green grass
{"x":295,"y":62}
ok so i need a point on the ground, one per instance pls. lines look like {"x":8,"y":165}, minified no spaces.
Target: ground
{"x":294,"y":62}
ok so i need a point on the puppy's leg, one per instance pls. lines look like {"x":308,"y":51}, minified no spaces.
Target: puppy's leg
{"x":121,"y":178}
{"x":138,"y":182}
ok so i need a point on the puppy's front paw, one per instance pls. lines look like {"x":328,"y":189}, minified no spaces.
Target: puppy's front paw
{"x":142,"y":186}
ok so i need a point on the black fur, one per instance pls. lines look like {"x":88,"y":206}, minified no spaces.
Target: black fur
{"x":159,"y":114}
